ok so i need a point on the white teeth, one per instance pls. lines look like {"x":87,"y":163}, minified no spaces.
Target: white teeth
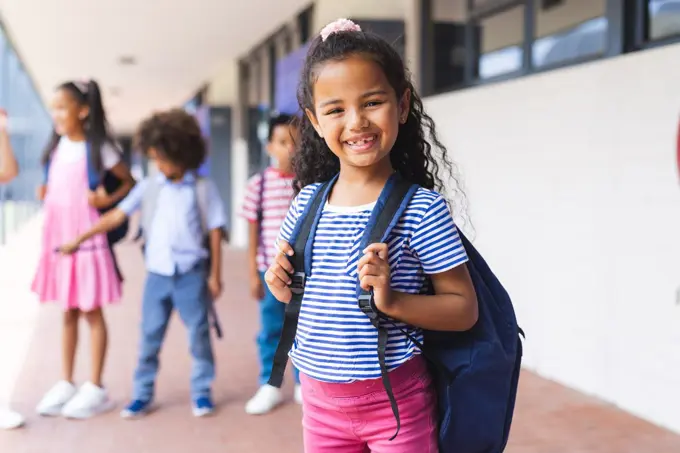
{"x":361,"y":142}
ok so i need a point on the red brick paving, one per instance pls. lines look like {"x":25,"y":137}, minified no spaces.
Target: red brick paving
{"x":549,"y":418}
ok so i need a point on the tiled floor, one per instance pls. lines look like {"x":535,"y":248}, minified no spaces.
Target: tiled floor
{"x":549,"y":418}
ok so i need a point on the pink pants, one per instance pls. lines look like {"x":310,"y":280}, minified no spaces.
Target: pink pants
{"x":358,"y":418}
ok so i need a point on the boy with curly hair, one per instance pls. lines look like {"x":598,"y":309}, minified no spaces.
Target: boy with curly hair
{"x":178,"y":210}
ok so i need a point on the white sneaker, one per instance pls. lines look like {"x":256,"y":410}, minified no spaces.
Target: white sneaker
{"x":88,"y":402}
{"x":298,"y":394}
{"x":266,"y":399}
{"x":56,"y":398}
{"x":10,"y":419}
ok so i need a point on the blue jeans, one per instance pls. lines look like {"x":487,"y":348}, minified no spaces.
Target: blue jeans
{"x":188,"y":293}
{"x":271,"y":323}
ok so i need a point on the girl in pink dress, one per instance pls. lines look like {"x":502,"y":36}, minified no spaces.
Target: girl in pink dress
{"x":82,"y":283}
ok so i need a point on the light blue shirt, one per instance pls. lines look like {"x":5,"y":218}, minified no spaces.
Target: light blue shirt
{"x":175,"y":242}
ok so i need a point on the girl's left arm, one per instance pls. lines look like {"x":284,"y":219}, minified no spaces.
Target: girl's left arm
{"x":436,"y":244}
{"x":453,"y":307}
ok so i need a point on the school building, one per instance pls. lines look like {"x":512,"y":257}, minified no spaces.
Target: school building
{"x":563,"y":116}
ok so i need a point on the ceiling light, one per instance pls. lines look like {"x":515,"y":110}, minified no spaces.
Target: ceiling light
{"x":127,"y":60}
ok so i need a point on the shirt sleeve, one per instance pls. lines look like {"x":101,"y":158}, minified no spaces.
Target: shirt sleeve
{"x":436,"y":241}
{"x":110,"y":156}
{"x":215,"y":217}
{"x":252,"y":201}
{"x":294,"y":212}
{"x":133,"y":200}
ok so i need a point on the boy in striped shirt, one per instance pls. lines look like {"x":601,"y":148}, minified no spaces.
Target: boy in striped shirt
{"x":268,"y":197}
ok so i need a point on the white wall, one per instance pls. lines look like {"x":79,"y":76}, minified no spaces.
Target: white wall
{"x":326,"y":11}
{"x":223,"y":86}
{"x":573,"y":187}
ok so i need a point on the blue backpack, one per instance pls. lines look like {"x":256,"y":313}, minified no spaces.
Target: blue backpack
{"x":475,"y":373}
{"x":111,"y":183}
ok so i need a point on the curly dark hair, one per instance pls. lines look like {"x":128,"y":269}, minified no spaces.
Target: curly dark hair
{"x":412,"y":156}
{"x":175,"y":135}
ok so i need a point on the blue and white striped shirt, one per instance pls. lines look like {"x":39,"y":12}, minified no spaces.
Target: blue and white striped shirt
{"x":335,"y":341}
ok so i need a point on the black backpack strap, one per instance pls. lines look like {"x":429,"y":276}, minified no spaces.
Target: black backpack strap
{"x":393,"y":200}
{"x":299,"y":277}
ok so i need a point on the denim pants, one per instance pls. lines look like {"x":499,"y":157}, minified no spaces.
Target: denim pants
{"x":188,"y":293}
{"x":271,"y":323}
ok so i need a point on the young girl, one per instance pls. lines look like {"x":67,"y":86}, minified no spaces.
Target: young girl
{"x":86,"y":281}
{"x":365,"y":121}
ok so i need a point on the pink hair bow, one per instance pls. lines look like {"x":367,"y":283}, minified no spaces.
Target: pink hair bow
{"x":338,"y":26}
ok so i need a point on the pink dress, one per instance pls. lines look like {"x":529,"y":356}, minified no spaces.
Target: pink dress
{"x":87,"y":279}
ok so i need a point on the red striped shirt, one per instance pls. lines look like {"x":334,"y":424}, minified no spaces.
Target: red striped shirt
{"x":277,"y":195}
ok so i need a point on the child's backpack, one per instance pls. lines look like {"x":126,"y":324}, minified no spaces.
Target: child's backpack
{"x":475,"y":373}
{"x":111,"y":183}
{"x":260,"y":207}
{"x":148,"y":209}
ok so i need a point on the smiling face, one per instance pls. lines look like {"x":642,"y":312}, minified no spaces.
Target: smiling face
{"x":67,"y":113}
{"x":357,"y":111}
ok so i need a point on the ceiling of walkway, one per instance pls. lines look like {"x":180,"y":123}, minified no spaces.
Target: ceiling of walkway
{"x":178,"y":45}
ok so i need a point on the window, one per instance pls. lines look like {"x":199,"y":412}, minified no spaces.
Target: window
{"x":571,"y":30}
{"x":483,"y":5}
{"x":501,"y":38}
{"x":31,"y":127}
{"x":663,"y":19}
{"x":466,"y":42}
{"x":287,"y":43}
{"x":305,"y":24}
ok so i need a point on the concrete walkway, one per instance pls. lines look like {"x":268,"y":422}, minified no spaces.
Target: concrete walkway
{"x":549,"y":418}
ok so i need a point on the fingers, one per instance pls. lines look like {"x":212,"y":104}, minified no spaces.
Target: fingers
{"x":278,"y":287}
{"x":374,"y":281}
{"x":284,"y":248}
{"x":376,"y":255}
{"x":370,"y":258}
{"x":277,"y":277}
{"x":378,"y":248}
{"x":284,"y":263}
{"x":372,"y":269}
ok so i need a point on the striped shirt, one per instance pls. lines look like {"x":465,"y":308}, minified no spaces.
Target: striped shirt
{"x":277,"y":194}
{"x":335,"y":341}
